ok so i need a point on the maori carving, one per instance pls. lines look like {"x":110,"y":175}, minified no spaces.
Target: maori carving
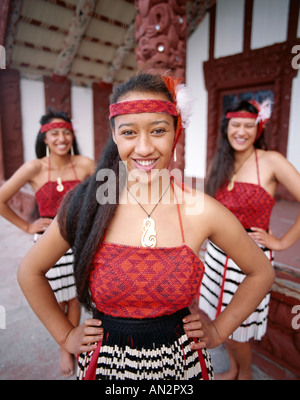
{"x":161,"y":44}
{"x":15,"y":8}
{"x":101,"y":93}
{"x":58,"y":94}
{"x":196,"y":11}
{"x":77,"y":28}
{"x":121,"y":54}
{"x":161,"y":35}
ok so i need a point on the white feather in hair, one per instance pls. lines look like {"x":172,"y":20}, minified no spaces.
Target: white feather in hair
{"x":265,"y":111}
{"x":184,"y":103}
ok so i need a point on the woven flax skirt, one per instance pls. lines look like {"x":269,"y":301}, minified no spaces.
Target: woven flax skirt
{"x":211,"y":297}
{"x":61,"y":276}
{"x":154,"y":348}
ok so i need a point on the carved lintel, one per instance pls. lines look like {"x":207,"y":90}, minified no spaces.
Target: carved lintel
{"x":161,"y":43}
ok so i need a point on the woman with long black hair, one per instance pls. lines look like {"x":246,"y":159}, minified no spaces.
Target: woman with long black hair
{"x":243,"y":177}
{"x":136,"y":243}
{"x":56,"y":170}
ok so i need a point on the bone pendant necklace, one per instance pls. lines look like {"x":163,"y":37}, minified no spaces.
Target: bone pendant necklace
{"x":148,"y":238}
{"x":233,"y":178}
{"x":60,"y":187}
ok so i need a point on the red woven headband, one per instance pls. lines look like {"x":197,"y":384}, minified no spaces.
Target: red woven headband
{"x":246,"y":114}
{"x":241,"y":114}
{"x":142,"y":106}
{"x":55,"y":125}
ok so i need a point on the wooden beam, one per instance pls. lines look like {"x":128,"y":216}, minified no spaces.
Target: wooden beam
{"x":293,"y":19}
{"x":212,"y":30}
{"x":80,"y":21}
{"x":4,"y":14}
{"x":248,"y":12}
{"x":124,"y":49}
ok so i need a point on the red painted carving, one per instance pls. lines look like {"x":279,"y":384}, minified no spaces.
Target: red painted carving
{"x":161,"y":44}
{"x":101,"y":93}
{"x":58,"y":94}
{"x":11,"y":127}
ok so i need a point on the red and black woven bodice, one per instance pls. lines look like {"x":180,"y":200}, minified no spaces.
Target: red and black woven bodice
{"x":137,"y":282}
{"x":49,"y":199}
{"x":250,"y":203}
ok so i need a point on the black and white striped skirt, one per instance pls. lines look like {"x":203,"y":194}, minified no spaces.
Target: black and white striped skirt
{"x":154,"y":348}
{"x":61,"y":276}
{"x":217,"y":291}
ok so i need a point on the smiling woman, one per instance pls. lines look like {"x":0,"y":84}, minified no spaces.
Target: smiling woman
{"x":57,"y":169}
{"x":243,"y":177}
{"x":144,"y":139}
{"x":139,"y":279}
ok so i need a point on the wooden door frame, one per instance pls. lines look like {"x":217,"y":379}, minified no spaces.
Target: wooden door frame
{"x":270,"y":66}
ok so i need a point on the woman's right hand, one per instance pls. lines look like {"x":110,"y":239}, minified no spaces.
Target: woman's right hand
{"x":85,"y":337}
{"x":39,"y":225}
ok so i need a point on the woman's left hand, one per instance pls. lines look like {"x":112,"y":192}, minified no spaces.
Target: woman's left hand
{"x":206,"y":333}
{"x":267,"y":239}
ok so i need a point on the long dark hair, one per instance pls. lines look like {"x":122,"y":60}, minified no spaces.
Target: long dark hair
{"x":222,"y":164}
{"x":83,"y":217}
{"x":40,"y":146}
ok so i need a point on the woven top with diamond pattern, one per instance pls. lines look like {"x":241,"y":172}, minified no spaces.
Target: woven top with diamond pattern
{"x":137,"y":282}
{"x":250,"y":203}
{"x":49,"y":199}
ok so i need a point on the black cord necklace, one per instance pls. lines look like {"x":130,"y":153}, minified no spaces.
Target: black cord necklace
{"x":149,"y":233}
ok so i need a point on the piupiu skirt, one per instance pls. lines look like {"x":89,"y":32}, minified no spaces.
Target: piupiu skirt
{"x":149,"y":349}
{"x":220,"y":281}
{"x":61,"y":276}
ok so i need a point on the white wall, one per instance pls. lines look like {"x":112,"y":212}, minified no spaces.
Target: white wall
{"x":293,"y":149}
{"x":269,"y":22}
{"x":195,"y":139}
{"x":229,"y":27}
{"x":32,"y":108}
{"x":82,"y":119}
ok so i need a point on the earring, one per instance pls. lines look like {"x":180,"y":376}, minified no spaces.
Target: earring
{"x":72,"y":150}
{"x":175,"y":155}
{"x":47,"y":151}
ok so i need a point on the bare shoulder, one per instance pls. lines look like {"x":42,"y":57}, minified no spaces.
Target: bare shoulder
{"x":29,"y":170}
{"x":34,"y":166}
{"x":27,"y":173}
{"x":271,"y":156}
{"x":277,"y":162}
{"x":85,"y":163}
